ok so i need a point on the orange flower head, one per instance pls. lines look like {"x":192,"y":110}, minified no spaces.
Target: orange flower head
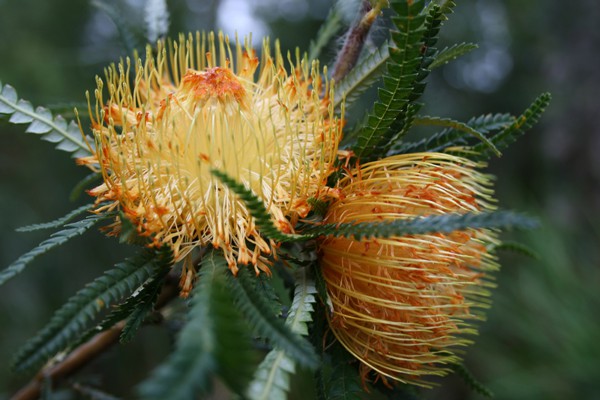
{"x":201,"y":104}
{"x":402,"y":305}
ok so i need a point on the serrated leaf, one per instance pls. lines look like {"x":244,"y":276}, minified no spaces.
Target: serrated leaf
{"x":213,"y":341}
{"x":57,"y":222}
{"x":74,"y":317}
{"x":41,"y":122}
{"x":135,"y":308}
{"x":448,"y":54}
{"x":362,"y":76}
{"x":257,"y":310}
{"x":470,"y":380}
{"x":402,"y":67}
{"x":453,"y":137}
{"x":56,"y":239}
{"x":519,"y":248}
{"x":256,"y":208}
{"x":524,"y":122}
{"x":344,"y":382}
{"x":82,"y":184}
{"x":423,"y":225}
{"x":272,"y":378}
{"x":459,"y":126}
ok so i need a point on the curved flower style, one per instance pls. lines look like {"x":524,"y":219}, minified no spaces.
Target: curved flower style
{"x":401,"y":305}
{"x":190,"y":110}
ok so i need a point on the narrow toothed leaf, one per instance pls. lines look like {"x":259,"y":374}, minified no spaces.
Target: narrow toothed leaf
{"x":459,"y":126}
{"x":258,"y":311}
{"x":256,"y":207}
{"x":57,"y":222}
{"x":75,"y":316}
{"x":521,"y":124}
{"x":422,"y":225}
{"x":451,"y":53}
{"x":56,"y":239}
{"x":213,"y":341}
{"x":272,"y":378}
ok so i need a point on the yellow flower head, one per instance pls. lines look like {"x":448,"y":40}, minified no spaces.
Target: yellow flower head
{"x":402,"y":305}
{"x":201,"y":104}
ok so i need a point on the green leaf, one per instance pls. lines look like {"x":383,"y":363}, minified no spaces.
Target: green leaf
{"x":74,"y":317}
{"x":328,"y":30}
{"x":257,"y":310}
{"x":402,"y":72}
{"x":83,"y":184}
{"x":451,"y":53}
{"x":518,"y":128}
{"x":449,"y":138}
{"x":214,"y":340}
{"x":57,"y":223}
{"x":256,"y":208}
{"x":422,"y":225}
{"x":56,"y":239}
{"x":519,"y":248}
{"x":135,"y":308}
{"x":344,"y":382}
{"x":404,"y":121}
{"x":272,"y":378}
{"x":459,"y":126}
{"x":470,"y":380}
{"x":40,"y":121}
{"x":360,"y":78}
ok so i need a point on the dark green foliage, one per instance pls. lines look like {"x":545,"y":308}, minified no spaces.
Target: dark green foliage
{"x":458,"y":126}
{"x":422,"y":225}
{"x":404,"y":82}
{"x":399,"y":79}
{"x":214,"y":340}
{"x":57,"y":223}
{"x":257,"y":309}
{"x":451,"y":53}
{"x":360,"y":78}
{"x":518,"y":248}
{"x":56,"y":239}
{"x":66,"y":135}
{"x":135,"y":308}
{"x":83,"y":185}
{"x":452,"y":137}
{"x":75,"y":316}
{"x":272,"y":378}
{"x":470,"y":380}
{"x":343,"y":383}
{"x":524,"y":122}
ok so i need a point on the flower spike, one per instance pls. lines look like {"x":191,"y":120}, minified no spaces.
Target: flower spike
{"x":202,"y":104}
{"x":402,"y":305}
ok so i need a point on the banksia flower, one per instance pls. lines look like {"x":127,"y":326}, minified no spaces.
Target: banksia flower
{"x":402,"y":305}
{"x":198,"y":105}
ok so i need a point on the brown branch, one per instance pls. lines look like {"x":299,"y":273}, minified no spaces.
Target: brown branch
{"x":355,"y":39}
{"x":88,"y":351}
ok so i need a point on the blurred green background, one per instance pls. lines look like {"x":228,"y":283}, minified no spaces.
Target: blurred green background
{"x":542,"y":337}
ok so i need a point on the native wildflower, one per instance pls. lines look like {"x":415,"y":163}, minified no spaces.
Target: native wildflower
{"x":402,"y":304}
{"x":202,"y":104}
